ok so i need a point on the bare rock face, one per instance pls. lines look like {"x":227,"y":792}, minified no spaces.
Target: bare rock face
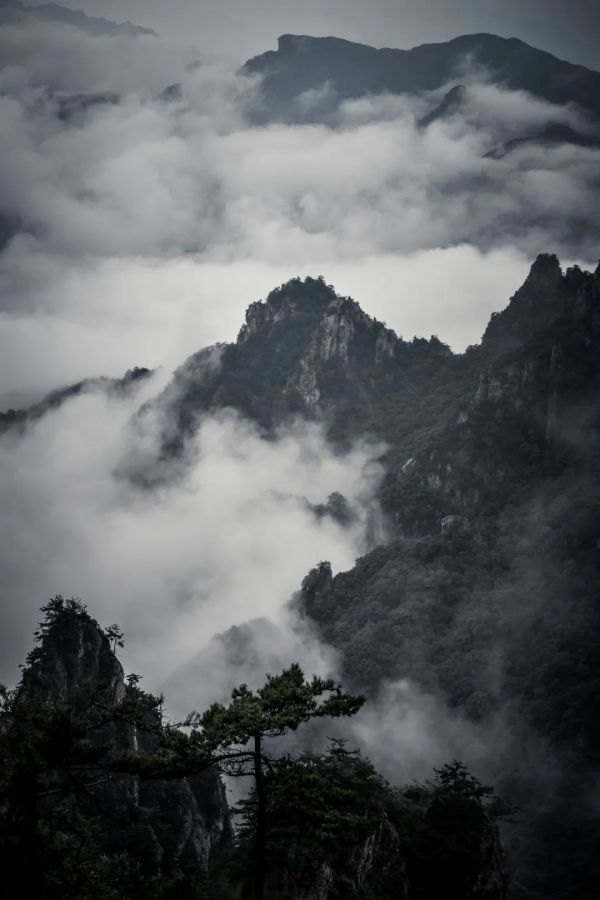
{"x":304,"y":350}
{"x":335,"y":343}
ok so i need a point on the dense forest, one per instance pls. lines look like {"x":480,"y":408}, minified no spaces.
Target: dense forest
{"x":103,"y":798}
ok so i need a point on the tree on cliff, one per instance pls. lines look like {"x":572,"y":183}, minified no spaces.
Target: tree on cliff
{"x":237,"y":736}
{"x":57,"y":742}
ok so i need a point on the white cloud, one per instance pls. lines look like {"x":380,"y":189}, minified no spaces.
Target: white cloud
{"x":230,"y":542}
{"x":149,"y":227}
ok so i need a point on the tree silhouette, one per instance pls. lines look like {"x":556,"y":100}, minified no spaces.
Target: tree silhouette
{"x":237,"y":736}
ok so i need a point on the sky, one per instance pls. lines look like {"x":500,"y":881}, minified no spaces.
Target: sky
{"x":237,"y":29}
{"x":144,"y":230}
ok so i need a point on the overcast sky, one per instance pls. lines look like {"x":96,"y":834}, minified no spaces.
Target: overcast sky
{"x":237,"y":29}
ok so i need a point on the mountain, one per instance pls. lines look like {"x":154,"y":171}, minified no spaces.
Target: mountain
{"x":485,"y":593}
{"x":304,"y":351}
{"x":14,"y":12}
{"x":69,"y":823}
{"x":72,"y":823}
{"x":20,"y":418}
{"x":348,"y":70}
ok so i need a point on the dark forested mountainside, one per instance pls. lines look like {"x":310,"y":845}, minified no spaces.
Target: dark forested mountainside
{"x":461,"y":430}
{"x":85,"y":811}
{"x":486,"y":593}
{"x":303,"y":64}
{"x":69,"y":824}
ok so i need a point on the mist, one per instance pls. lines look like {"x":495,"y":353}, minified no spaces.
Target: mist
{"x":137,"y":227}
{"x":140,"y":227}
{"x":229,"y":543}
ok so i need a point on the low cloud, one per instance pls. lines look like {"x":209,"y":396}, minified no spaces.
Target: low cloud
{"x":229,"y":543}
{"x":142,"y":228}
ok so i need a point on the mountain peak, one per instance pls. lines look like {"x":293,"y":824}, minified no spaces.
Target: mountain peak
{"x":311,"y":296}
{"x":72,"y":651}
{"x":545,"y":270}
{"x":539,"y":300}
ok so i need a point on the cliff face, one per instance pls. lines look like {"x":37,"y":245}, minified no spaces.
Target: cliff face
{"x":304,"y":351}
{"x":344,"y":343}
{"x":169,"y":824}
{"x":455,"y":425}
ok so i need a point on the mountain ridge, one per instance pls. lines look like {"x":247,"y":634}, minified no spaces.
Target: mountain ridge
{"x":14,"y":12}
{"x":303,"y":63}
{"x":484,"y":594}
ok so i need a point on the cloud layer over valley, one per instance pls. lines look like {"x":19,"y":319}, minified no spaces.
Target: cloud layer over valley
{"x":229,"y":543}
{"x":138,"y":227}
{"x":137,"y":224}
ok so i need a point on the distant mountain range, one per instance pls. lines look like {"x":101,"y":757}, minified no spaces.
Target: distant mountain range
{"x":13,"y":12}
{"x":302,"y":64}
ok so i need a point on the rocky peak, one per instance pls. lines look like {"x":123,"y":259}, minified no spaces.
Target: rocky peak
{"x":73,"y":652}
{"x":308,"y":296}
{"x":539,"y":301}
{"x":178,"y":822}
{"x":318,"y":580}
{"x":545,"y":271}
{"x":325,"y":339}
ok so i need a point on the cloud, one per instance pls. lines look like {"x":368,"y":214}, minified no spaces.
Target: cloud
{"x":64,"y":58}
{"x":145,"y":227}
{"x":229,"y":543}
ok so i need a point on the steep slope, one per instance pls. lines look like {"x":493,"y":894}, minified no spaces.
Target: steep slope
{"x":64,"y":728}
{"x":71,"y":826}
{"x":486,"y":594}
{"x":490,"y":598}
{"x":304,"y":351}
{"x":302,"y":64}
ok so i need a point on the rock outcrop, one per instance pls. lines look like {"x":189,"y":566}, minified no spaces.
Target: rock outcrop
{"x":169,"y":824}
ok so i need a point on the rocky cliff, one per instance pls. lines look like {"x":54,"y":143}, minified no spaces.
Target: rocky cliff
{"x":167,"y":827}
